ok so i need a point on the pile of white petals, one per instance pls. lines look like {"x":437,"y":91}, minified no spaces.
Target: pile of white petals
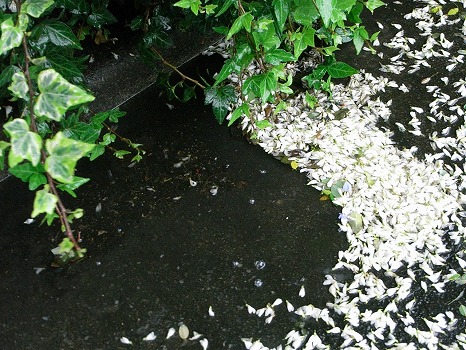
{"x":400,"y":214}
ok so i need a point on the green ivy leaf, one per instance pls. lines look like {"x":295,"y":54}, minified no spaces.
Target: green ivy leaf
{"x":281,"y":9}
{"x":301,"y":40}
{"x":25,"y":144}
{"x":262,"y":124}
{"x":340,"y":70}
{"x":277,"y":56}
{"x":73,"y":185}
{"x":225,"y":6}
{"x":67,"y":67}
{"x":19,"y":86}
{"x":44,"y":202}
{"x":373,"y":4}
{"x":238,"y":113}
{"x":100,"y":15}
{"x":57,"y":95}
{"x":334,"y":10}
{"x":355,"y":12}
{"x":306,"y":13}
{"x":243,"y":21}
{"x":36,"y":8}
{"x":220,"y":98}
{"x":462,"y":310}
{"x":34,"y":175}
{"x":11,"y":36}
{"x":359,"y":35}
{"x":97,"y":152}
{"x":7,"y":74}
{"x":79,"y":6}
{"x":63,"y":155}
{"x":228,"y":67}
{"x":266,"y":38}
{"x":55,"y":32}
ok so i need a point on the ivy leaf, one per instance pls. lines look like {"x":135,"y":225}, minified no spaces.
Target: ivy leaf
{"x":34,"y":175}
{"x":7,"y":74}
{"x":306,"y":12}
{"x":226,"y":5}
{"x":228,"y":67}
{"x":55,"y":32}
{"x":359,"y":35}
{"x":44,"y":202}
{"x":63,"y":155}
{"x":100,"y":16}
{"x":373,"y":4}
{"x":462,"y":310}
{"x":36,"y":8}
{"x":301,"y":40}
{"x":97,"y":152}
{"x":11,"y":36}
{"x":281,"y":9}
{"x":355,"y":12}
{"x":57,"y":95}
{"x":334,"y":10}
{"x":68,"y":67}
{"x":239,"y":112}
{"x":73,"y":185}
{"x":277,"y":56}
{"x":220,"y":98}
{"x":79,"y":6}
{"x":19,"y":86}
{"x":25,"y":144}
{"x":243,"y":21}
{"x":340,"y":70}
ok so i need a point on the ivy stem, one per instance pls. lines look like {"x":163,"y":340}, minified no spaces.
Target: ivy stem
{"x":175,"y":69}
{"x":60,"y":208}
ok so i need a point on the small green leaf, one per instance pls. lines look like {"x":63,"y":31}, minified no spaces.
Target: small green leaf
{"x":277,"y":56}
{"x":44,"y":202}
{"x":462,"y":310}
{"x":243,"y":21}
{"x":36,"y":8}
{"x":220,"y":98}
{"x":73,"y":185}
{"x":262,"y":124}
{"x":63,"y":155}
{"x":238,"y":113}
{"x":228,"y":67}
{"x":11,"y":36}
{"x":57,"y":95}
{"x":226,"y":5}
{"x":100,"y":15}
{"x":19,"y":86}
{"x":340,"y":70}
{"x":121,"y":153}
{"x":25,"y":144}
{"x":373,"y":4}
{"x":97,"y":152}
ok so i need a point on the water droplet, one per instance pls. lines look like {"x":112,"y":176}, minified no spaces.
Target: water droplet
{"x":258,"y":283}
{"x":260,"y":264}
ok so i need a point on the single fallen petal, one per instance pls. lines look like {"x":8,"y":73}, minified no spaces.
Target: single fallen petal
{"x":151,"y":336}
{"x":170,"y":333}
{"x":183,"y":331}
{"x":125,"y":340}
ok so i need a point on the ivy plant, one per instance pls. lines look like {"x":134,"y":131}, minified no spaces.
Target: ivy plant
{"x":41,"y":87}
{"x":271,"y":33}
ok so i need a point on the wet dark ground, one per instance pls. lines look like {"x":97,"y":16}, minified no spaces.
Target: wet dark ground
{"x":161,"y":251}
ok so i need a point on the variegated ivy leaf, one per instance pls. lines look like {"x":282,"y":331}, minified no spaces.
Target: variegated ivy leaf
{"x":334,"y":10}
{"x":11,"y":36}
{"x":19,"y":86}
{"x":44,"y":202}
{"x":57,"y":95}
{"x":35,"y":8}
{"x":63,"y":155}
{"x":25,"y":144}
